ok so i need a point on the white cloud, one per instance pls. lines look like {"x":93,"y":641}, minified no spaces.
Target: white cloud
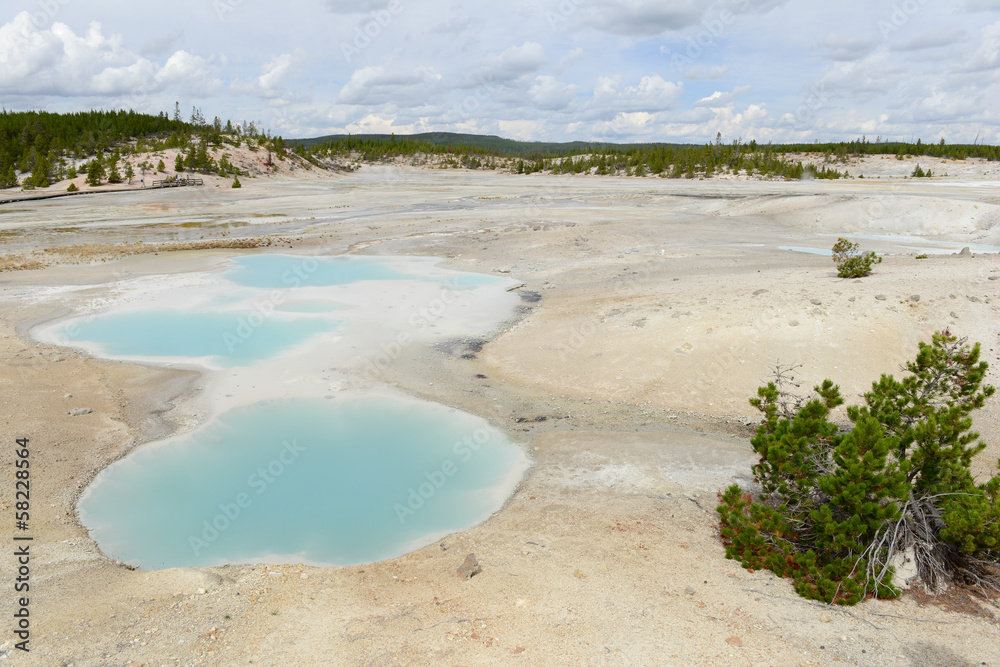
{"x":271,"y":84}
{"x":856,"y":47}
{"x":575,"y":56}
{"x":511,"y":64}
{"x":548,"y":93}
{"x":57,"y":61}
{"x":357,"y":6}
{"x":720,"y":99}
{"x":653,"y":94}
{"x":982,"y":5}
{"x":987,"y":54}
{"x":932,"y":39}
{"x":710,"y":72}
{"x":380,"y":85}
{"x":642,"y":18}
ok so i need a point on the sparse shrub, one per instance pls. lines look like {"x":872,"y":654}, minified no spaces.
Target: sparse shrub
{"x":236,"y":182}
{"x":72,"y":188}
{"x":838,"y":507}
{"x":851,"y":262}
{"x":922,"y":256}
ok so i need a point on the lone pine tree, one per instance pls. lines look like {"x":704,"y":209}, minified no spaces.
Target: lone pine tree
{"x":837,"y":508}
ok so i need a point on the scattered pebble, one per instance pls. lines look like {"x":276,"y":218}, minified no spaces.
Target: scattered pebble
{"x":825,"y":618}
{"x":880,"y":297}
{"x":914,"y":297}
{"x":816,"y":302}
{"x":689,"y":591}
{"x":469,"y":568}
{"x":734,"y":641}
{"x":79,"y":412}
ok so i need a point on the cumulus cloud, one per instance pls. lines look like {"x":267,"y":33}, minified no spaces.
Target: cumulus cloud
{"x":721,"y":99}
{"x":642,"y":18}
{"x":843,"y":48}
{"x":982,"y":5}
{"x":932,"y":39}
{"x":276,"y":72}
{"x":709,"y":72}
{"x":357,"y":6}
{"x":987,"y":54}
{"x":381,"y":85}
{"x":652,"y":94}
{"x":57,"y":61}
{"x":546,"y":92}
{"x":511,"y":64}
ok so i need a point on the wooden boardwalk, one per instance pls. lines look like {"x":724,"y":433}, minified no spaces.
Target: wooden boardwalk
{"x":177,"y":183}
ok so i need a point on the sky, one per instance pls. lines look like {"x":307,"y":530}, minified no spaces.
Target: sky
{"x":545,"y":70}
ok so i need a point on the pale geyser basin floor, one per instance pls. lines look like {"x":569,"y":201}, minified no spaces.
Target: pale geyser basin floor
{"x":592,"y":559}
{"x":287,"y":465}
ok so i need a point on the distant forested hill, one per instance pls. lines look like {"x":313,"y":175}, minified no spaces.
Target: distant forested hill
{"x":487,"y":144}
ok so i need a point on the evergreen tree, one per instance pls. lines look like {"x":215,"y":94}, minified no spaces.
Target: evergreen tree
{"x":837,"y":507}
{"x":129,"y":172}
{"x":179,"y":163}
{"x":95,"y":172}
{"x":114,"y":176}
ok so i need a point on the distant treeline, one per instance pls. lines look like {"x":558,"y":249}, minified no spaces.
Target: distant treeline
{"x":667,"y":160}
{"x":47,"y":147}
{"x":860,"y":147}
{"x":38,"y":148}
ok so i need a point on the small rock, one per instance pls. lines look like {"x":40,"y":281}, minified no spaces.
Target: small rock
{"x":689,"y":591}
{"x":966,"y":252}
{"x":68,"y":396}
{"x":760,"y":291}
{"x":469,"y":568}
{"x":994,"y":278}
{"x":973,"y":299}
{"x":880,"y":297}
{"x":853,"y":299}
{"x":954,"y":314}
{"x":816,"y":302}
{"x":201,"y":591}
{"x":825,"y":618}
{"x":734,"y":641}
{"x":58,"y":358}
{"x":580,"y":575}
{"x":793,"y":323}
{"x":79,"y":412}
{"x":914,"y":297}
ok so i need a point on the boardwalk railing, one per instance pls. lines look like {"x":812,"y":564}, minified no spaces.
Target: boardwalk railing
{"x":177,"y":183}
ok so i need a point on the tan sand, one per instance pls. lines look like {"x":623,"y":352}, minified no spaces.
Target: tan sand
{"x":663,"y":305}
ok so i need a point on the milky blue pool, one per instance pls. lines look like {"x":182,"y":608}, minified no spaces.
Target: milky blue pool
{"x":333,"y":482}
{"x":298,"y":470}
